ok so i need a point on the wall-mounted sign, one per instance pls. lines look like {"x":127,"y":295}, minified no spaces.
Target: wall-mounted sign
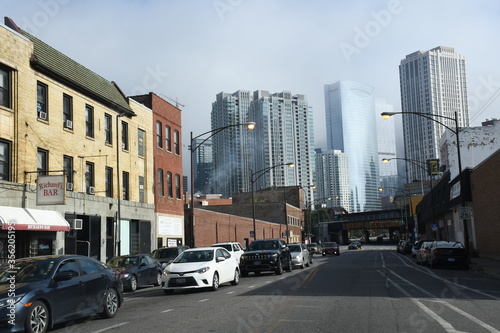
{"x":50,"y":190}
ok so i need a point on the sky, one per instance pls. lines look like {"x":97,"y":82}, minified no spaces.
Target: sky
{"x":188,"y":51}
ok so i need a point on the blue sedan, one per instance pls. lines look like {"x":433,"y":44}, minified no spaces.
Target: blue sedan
{"x":38,"y":292}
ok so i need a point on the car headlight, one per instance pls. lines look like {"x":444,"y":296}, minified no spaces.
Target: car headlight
{"x":125,"y":276}
{"x":10,"y":300}
{"x":203,"y":270}
{"x":297,"y":257}
{"x":166,"y":272}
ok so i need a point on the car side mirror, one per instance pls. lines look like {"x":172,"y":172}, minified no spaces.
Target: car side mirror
{"x":221,"y":259}
{"x":63,"y":276}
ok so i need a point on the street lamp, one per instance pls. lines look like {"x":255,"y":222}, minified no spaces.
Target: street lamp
{"x":259,"y":174}
{"x":455,"y":131}
{"x":192,"y":148}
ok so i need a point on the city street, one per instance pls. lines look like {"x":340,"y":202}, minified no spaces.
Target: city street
{"x":373,"y":289}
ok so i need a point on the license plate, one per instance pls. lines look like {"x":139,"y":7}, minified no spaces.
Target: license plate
{"x":256,"y":262}
{"x":451,"y":259}
{"x":180,"y":281}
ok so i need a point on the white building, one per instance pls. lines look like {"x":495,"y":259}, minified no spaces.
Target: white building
{"x":433,"y":83}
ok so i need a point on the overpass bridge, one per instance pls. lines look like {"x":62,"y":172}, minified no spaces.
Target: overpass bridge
{"x":337,"y":229}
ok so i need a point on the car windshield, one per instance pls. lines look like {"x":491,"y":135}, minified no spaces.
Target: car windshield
{"x":311,"y":245}
{"x":26,"y":271}
{"x":170,"y":253}
{"x":123,"y":262}
{"x":195,"y":256}
{"x":273,"y":245}
{"x":295,"y":248}
{"x":332,"y":244}
{"x":226,"y":246}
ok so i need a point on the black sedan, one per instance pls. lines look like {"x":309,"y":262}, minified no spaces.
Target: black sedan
{"x":137,"y":270}
{"x":38,"y":292}
{"x":354,"y":246}
{"x":444,"y":253}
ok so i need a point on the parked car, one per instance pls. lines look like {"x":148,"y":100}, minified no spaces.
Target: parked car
{"x":331,"y":248}
{"x":300,"y":255}
{"x":55,"y":289}
{"x":234,"y":248}
{"x":423,"y":253}
{"x":137,"y":270}
{"x":354,"y":246}
{"x":407,"y":246}
{"x":266,"y":255}
{"x":399,"y":247}
{"x":444,"y":253}
{"x":314,"y":248}
{"x":204,"y":267}
{"x":166,"y":255}
{"x":417,"y":245}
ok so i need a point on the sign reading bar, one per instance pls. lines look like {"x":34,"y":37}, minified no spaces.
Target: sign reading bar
{"x":50,"y":190}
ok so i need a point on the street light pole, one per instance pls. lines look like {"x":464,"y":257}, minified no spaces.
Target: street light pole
{"x":192,"y":148}
{"x":260,"y":173}
{"x":386,"y":115}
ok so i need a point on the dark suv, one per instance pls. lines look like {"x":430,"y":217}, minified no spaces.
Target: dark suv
{"x":266,"y":255}
{"x":166,"y":254}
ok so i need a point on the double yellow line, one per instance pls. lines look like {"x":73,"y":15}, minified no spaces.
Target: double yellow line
{"x":309,"y":277}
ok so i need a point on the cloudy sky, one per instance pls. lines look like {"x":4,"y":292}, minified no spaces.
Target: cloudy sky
{"x":190,"y":50}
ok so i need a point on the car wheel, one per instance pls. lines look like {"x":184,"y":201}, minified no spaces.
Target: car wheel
{"x":236,"y":277}
{"x":168,"y":291}
{"x":215,"y":282}
{"x":133,"y":283}
{"x":279,"y":268}
{"x":311,"y":262}
{"x":110,"y":304}
{"x":308,"y":263}
{"x":37,"y":318}
{"x":244,"y":273}
{"x":158,"y":279}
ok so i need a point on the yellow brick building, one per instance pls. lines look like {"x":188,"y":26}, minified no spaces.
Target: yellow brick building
{"x":58,"y":118}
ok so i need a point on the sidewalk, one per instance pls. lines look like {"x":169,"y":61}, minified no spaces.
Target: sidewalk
{"x":486,"y":265}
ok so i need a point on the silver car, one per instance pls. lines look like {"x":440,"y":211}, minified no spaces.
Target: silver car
{"x":300,"y":255}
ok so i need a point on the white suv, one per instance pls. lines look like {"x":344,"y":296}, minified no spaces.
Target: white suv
{"x":234,"y":248}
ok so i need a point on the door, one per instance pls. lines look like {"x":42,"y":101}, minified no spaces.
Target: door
{"x":96,"y":282}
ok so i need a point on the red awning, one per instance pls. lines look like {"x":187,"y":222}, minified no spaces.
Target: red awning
{"x":16,"y":218}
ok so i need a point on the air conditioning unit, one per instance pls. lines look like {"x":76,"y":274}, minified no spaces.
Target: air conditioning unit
{"x":76,"y":224}
{"x":69,"y":186}
{"x":91,"y":190}
{"x":68,"y":124}
{"x":42,"y":115}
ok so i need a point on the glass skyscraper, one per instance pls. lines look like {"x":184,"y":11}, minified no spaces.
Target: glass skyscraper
{"x":351,"y":128}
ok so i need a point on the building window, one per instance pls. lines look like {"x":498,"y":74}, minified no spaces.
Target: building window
{"x":141,"y":189}
{"x":41,"y":101}
{"x":89,"y":176}
{"x":176,"y":142}
{"x":177,"y":186}
{"x":67,"y":111}
{"x":159,"y":136}
{"x":141,"y":134}
{"x":161,"y":188}
{"x":89,"y":121}
{"x":5,"y":160}
{"x":124,"y":135}
{"x":5,"y":87}
{"x":109,"y":182}
{"x":168,"y":138}
{"x":169,"y":185}
{"x":68,"y":171}
{"x":108,"y":129}
{"x":126,"y":193}
{"x":42,"y":162}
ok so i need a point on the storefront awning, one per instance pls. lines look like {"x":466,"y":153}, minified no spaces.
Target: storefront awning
{"x":31,"y":219}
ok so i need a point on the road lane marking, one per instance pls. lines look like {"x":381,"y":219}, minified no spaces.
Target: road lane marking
{"x":165,"y":311}
{"x":230,"y":292}
{"x":203,"y":300}
{"x":111,"y":327}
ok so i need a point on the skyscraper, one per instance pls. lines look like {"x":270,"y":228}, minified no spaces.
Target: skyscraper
{"x":230,"y":146}
{"x":432,"y":82}
{"x":203,"y":166}
{"x":351,"y":128}
{"x":332,"y":179}
{"x":386,"y":140}
{"x":283,"y":134}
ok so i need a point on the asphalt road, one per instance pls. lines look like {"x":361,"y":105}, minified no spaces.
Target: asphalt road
{"x":369,"y":290}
